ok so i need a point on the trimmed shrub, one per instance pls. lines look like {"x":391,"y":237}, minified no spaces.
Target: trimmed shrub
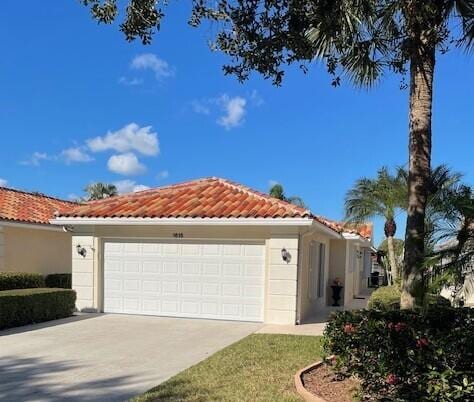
{"x":388,"y":298}
{"x":406,"y":355}
{"x":385,"y":298}
{"x":63,"y":281}
{"x":30,"y":306}
{"x":20,"y":280}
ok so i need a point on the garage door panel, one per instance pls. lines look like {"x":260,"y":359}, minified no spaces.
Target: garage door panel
{"x":208,"y":280}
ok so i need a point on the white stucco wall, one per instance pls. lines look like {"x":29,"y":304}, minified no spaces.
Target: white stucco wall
{"x":281,"y":278}
{"x":281,"y":281}
{"x":83,"y":270}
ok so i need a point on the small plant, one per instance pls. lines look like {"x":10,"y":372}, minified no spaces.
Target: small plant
{"x":406,"y":355}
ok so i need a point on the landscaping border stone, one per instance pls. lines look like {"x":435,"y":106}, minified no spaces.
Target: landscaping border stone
{"x":302,"y":391}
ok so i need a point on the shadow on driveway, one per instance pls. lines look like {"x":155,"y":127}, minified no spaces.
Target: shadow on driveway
{"x":32,"y":379}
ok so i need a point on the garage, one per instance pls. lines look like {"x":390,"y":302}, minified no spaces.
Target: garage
{"x":207,"y":248}
{"x":197,"y":279}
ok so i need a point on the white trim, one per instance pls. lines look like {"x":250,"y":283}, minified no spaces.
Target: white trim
{"x":323,"y":228}
{"x":360,"y":239}
{"x":41,"y":226}
{"x":183,"y":221}
{"x":218,"y":240}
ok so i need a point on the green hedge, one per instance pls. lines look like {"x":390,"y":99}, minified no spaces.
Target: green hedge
{"x":20,"y":280}
{"x":28,"y":306}
{"x":388,"y":298}
{"x":63,"y":281}
{"x":401,"y":355}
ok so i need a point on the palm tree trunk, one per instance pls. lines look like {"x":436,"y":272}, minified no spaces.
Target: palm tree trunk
{"x":422,"y":66}
{"x":391,"y":259}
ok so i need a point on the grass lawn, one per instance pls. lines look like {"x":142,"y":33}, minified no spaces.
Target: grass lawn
{"x":257,"y":368}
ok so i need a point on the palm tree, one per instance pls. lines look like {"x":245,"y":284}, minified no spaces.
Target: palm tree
{"x":383,"y":197}
{"x":360,"y":40}
{"x":452,"y":258}
{"x":99,"y":191}
{"x":277,"y":191}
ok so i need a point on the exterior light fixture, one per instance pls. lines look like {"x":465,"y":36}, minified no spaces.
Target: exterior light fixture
{"x":359,"y":254}
{"x":81,"y":250}
{"x":285,"y":255}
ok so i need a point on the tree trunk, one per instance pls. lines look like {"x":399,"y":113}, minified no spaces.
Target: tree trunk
{"x":391,"y":259}
{"x":422,"y":66}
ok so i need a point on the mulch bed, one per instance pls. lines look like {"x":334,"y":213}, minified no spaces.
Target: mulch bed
{"x":323,"y":382}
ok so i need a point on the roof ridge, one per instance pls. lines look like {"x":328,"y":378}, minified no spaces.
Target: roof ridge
{"x":260,"y":194}
{"x":151,"y":190}
{"x":37,"y":194}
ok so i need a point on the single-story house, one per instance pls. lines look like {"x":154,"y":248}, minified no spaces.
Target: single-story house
{"x":211,"y":248}
{"x":28,"y":241}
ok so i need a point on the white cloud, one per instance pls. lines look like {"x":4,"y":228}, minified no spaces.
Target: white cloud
{"x":3,"y":182}
{"x":162,"y":175}
{"x":75,"y":154}
{"x":149,"y":61}
{"x":36,"y":159}
{"x":234,"y":111}
{"x":256,"y":99}
{"x":129,"y":186}
{"x":125,"y":164}
{"x":201,"y":107}
{"x":132,"y":137}
{"x":130,"y":82}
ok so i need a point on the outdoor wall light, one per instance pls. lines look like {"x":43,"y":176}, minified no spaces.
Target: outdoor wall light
{"x":81,"y":250}
{"x":285,"y":255}
{"x":359,"y":254}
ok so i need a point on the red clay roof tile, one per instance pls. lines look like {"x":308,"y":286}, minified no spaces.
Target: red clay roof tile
{"x":203,"y":198}
{"x":22,"y":206}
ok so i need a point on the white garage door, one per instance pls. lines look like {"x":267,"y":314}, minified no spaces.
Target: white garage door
{"x":202,"y":280}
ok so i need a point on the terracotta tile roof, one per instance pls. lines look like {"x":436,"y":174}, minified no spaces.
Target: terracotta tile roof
{"x":361,"y":229}
{"x":21,"y":206}
{"x":203,"y":198}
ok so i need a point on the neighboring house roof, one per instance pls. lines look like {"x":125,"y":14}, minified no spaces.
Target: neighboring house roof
{"x":203,"y":198}
{"x":22,"y":206}
{"x":362,"y":229}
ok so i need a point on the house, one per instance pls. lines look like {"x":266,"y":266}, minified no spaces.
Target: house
{"x":28,"y":242}
{"x":465,"y":292}
{"x":211,"y":248}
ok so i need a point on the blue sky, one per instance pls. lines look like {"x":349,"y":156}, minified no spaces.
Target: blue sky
{"x":79,"y":104}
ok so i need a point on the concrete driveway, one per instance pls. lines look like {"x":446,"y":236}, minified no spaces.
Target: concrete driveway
{"x":105,"y":357}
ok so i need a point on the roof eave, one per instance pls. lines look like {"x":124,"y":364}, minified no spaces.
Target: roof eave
{"x":289,"y":221}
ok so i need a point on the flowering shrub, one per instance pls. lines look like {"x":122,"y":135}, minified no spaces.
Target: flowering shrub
{"x":406,"y":355}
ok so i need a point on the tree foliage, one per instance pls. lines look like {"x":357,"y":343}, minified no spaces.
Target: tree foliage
{"x":359,"y":39}
{"x":277,"y":191}
{"x":99,"y":191}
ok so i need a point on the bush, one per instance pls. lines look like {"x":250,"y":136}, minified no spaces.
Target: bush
{"x":29,"y":306}
{"x":388,"y":298}
{"x":20,"y":280}
{"x":63,"y":281}
{"x":406,"y":355}
{"x":385,"y":298}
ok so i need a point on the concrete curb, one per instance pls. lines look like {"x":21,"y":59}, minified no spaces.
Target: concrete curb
{"x":302,"y":391}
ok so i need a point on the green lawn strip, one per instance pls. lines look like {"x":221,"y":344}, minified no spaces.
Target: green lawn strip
{"x":257,"y":368}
